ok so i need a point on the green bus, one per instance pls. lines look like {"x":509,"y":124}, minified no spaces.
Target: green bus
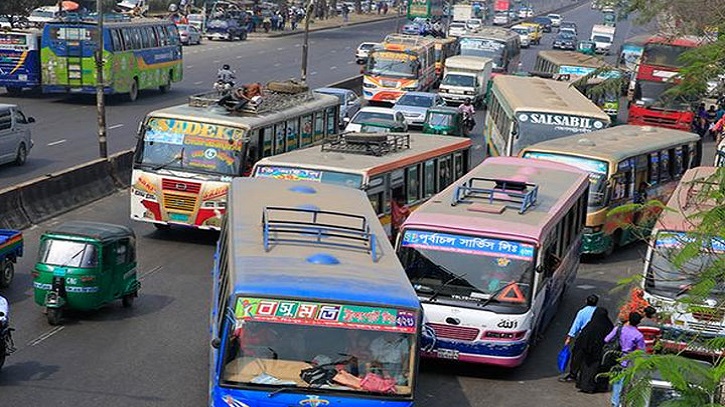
{"x":138,"y":54}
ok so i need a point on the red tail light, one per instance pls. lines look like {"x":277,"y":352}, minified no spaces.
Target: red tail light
{"x":86,"y":279}
{"x":35,"y":273}
{"x":503,"y":336}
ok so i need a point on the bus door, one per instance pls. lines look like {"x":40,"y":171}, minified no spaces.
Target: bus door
{"x":78,"y":43}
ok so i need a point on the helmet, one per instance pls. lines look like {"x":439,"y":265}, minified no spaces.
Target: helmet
{"x":172,"y":7}
{"x":225,"y":66}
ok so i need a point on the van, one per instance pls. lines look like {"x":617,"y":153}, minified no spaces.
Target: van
{"x":15,"y":141}
{"x":466,"y":77}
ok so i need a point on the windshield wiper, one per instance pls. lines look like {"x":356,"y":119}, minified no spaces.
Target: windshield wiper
{"x":281,"y":390}
{"x":179,"y":157}
{"x":455,"y":277}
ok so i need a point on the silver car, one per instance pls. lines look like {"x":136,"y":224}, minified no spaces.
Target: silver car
{"x":188,"y":34}
{"x":15,"y":140}
{"x":414,"y":106}
{"x":349,"y":101}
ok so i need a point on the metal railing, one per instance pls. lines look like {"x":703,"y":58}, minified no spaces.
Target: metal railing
{"x":515,"y":194}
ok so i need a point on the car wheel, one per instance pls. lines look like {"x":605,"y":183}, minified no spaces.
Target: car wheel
{"x":22,"y":155}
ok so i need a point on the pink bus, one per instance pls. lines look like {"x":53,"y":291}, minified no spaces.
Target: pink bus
{"x":492,"y":255}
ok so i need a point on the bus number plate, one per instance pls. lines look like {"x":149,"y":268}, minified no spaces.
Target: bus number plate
{"x":447,"y":354}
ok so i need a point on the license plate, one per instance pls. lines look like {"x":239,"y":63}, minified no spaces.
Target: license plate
{"x":178,"y":217}
{"x":447,"y":354}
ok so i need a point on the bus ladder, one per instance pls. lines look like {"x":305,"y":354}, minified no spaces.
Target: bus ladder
{"x":368,"y":143}
{"x":516,"y":194}
{"x":317,"y":227}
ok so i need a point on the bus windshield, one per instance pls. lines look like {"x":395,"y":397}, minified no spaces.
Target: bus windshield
{"x":396,"y":64}
{"x":275,"y":343}
{"x":663,"y":55}
{"x":482,"y":47}
{"x":469,"y":268}
{"x":597,"y":170}
{"x":535,"y":127}
{"x":652,"y":94}
{"x":191,"y":146}
{"x":664,"y":278}
{"x":303,"y":174}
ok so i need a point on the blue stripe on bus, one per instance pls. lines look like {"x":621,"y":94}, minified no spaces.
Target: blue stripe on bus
{"x":252,"y":398}
{"x":11,"y":72}
{"x":497,"y":349}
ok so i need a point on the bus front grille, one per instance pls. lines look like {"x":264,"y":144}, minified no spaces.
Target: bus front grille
{"x":659,"y":121}
{"x":459,"y":333}
{"x":176,"y":202}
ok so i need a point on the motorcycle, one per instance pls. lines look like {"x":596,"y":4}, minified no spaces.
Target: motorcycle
{"x":468,"y":123}
{"x":6,"y":341}
{"x":223,"y":87}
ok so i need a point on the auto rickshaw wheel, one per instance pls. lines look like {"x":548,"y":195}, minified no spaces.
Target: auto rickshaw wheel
{"x":8,"y":271}
{"x":127,"y":300}
{"x":55,"y":315}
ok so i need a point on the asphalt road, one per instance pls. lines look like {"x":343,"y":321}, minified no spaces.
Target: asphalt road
{"x":156,"y":354}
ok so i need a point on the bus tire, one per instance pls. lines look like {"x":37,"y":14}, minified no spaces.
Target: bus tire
{"x":22,"y":155}
{"x":167,"y":86}
{"x":616,"y":236}
{"x":133,"y":92}
{"x":14,"y":91}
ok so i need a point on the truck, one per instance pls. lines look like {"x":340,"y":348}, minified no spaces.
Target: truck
{"x":462,"y":12}
{"x":11,"y":248}
{"x":425,"y":9}
{"x":466,"y":77}
{"x":603,"y":37}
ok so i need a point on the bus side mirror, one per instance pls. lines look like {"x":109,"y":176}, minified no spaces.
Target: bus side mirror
{"x":139,"y":130}
{"x":216,"y":343}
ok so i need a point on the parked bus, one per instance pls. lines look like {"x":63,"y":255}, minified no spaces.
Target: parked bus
{"x":305,"y":283}
{"x":523,"y":111}
{"x":658,"y":70}
{"x":626,"y":164}
{"x":138,"y":54}
{"x":500,"y":44}
{"x":570,"y":66}
{"x":187,"y":154}
{"x":408,"y":168}
{"x":445,"y":48}
{"x":666,"y":281}
{"x":491,"y":256}
{"x":19,"y":60}
{"x":401,"y":63}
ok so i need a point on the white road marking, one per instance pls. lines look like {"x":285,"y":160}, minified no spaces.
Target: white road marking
{"x":350,"y":62}
{"x":240,"y":56}
{"x":297,"y":45}
{"x":333,"y":67}
{"x":148,"y":273}
{"x":55,"y":143}
{"x":333,"y":51}
{"x":115,"y":126}
{"x":189,"y":66}
{"x":347,"y":48}
{"x":45,"y":335}
{"x":313,"y":73}
{"x":216,"y":61}
{"x":277,"y":64}
{"x":586,"y":287}
{"x":281,"y":49}
{"x":198,"y":83}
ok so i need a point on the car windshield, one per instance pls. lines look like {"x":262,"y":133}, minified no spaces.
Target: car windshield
{"x":666,"y":279}
{"x":415,"y":100}
{"x":453,"y":79}
{"x":440,"y":119}
{"x":285,"y":343}
{"x":565,"y":36}
{"x":367,"y":116}
{"x":469,"y":268}
{"x":313,"y":175}
{"x":396,"y":64}
{"x":366,"y":46}
{"x":177,"y":144}
{"x":601,"y":38}
{"x":67,"y":253}
{"x":458,"y":25}
{"x":554,"y":16}
{"x":521,"y":30}
{"x":567,"y":24}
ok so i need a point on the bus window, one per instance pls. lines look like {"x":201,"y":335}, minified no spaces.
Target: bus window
{"x":306,"y":131}
{"x":127,"y":40}
{"x":412,"y":182}
{"x":444,"y":172}
{"x":267,"y":141}
{"x":319,"y":126}
{"x":144,"y":35}
{"x":654,"y":168}
{"x":665,"y":169}
{"x":678,"y":163}
{"x":161,"y":33}
{"x":429,"y":178}
{"x":279,"y":139}
{"x":293,"y":133}
{"x":458,"y":166}
{"x":331,"y":121}
{"x":376,"y":200}
{"x":173,"y":34}
{"x":116,"y":41}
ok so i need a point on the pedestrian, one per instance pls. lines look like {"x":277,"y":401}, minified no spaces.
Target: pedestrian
{"x":590,"y":345}
{"x":345,"y":13}
{"x":580,"y":321}
{"x":650,"y":328}
{"x":701,"y":120}
{"x":630,"y":340}
{"x":385,"y":7}
{"x":293,"y":21}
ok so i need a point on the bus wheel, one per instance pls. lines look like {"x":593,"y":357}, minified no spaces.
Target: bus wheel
{"x":14,"y":91}
{"x":133,"y":92}
{"x":616,"y":236}
{"x":166,"y":87}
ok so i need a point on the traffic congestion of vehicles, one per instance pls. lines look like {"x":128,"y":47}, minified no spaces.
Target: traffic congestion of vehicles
{"x":444,"y":210}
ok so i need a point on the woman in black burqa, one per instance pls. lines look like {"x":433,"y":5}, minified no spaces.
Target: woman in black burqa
{"x":589,"y":348}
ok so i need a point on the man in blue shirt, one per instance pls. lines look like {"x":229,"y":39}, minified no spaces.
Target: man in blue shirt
{"x":580,"y":321}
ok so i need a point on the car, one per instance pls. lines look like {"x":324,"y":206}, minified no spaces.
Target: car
{"x":363,"y":51}
{"x":513,"y":15}
{"x":198,"y":21}
{"x":526,"y":12}
{"x":501,"y":19}
{"x":188,"y":34}
{"x":555,"y":19}
{"x":544,"y":22}
{"x":535,"y":32}
{"x":414,"y":106}
{"x":524,"y":34}
{"x":568,"y":30}
{"x":457,"y":29}
{"x":42,"y":15}
{"x":15,"y":140}
{"x":474,"y":24}
{"x":411,"y":28}
{"x":349,"y":101}
{"x":607,"y":9}
{"x":568,"y":25}
{"x":372,"y":114}
{"x":565,"y":40}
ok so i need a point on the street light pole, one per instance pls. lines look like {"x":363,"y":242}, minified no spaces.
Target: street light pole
{"x":100,"y":102}
{"x":306,"y":43}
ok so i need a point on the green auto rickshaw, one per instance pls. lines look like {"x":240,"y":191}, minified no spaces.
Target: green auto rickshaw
{"x":444,"y":120}
{"x":586,"y":47}
{"x":84,"y":266}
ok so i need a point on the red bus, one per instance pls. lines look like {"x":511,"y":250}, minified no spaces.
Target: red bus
{"x":657,"y":72}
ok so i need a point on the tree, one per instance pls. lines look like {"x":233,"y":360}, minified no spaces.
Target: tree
{"x":16,"y":11}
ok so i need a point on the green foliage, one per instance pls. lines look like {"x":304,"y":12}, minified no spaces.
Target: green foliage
{"x":14,"y":9}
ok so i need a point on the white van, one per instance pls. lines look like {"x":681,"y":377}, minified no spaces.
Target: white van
{"x":15,"y":141}
{"x":466,"y":77}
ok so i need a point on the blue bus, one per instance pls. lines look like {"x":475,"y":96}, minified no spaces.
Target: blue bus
{"x":19,"y":60}
{"x":310,"y":305}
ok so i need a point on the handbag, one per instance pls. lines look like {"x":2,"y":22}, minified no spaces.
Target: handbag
{"x":378,"y":384}
{"x":563,"y":358}
{"x":612,"y":351}
{"x":318,"y":375}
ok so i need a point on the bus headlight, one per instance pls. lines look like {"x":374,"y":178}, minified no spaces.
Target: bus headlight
{"x":369,"y":85}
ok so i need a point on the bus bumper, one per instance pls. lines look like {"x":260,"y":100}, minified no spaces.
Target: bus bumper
{"x":508,"y":354}
{"x":73,"y":89}
{"x":596,"y":242}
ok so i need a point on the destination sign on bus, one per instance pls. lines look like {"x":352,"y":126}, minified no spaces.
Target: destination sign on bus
{"x":393,"y":56}
{"x":325,"y":314}
{"x":680,"y":239}
{"x":468,"y":244}
{"x":560,"y":122}
{"x":292,"y":174}
{"x":13,"y":39}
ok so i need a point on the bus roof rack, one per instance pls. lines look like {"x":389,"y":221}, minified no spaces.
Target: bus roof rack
{"x":272,"y":100}
{"x":67,"y":16}
{"x":518,"y":195}
{"x":405,"y":39}
{"x":309,"y":226}
{"x":376,"y":144}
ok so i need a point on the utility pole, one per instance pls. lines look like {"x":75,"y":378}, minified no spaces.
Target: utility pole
{"x":306,"y":43}
{"x":100,"y":101}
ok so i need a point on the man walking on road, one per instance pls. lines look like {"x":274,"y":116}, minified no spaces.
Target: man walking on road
{"x":580,"y":321}
{"x":630,"y":340}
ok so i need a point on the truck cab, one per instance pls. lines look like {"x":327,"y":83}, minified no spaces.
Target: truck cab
{"x":466,"y":77}
{"x":603,"y":37}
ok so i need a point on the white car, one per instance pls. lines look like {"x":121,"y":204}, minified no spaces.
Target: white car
{"x":526,"y":13}
{"x":474,"y":24}
{"x":363,"y":51}
{"x":568,"y":30}
{"x":457,"y":29}
{"x":501,"y":19}
{"x":555,"y":19}
{"x":370,"y":114}
{"x":42,"y":15}
{"x":523,"y":32}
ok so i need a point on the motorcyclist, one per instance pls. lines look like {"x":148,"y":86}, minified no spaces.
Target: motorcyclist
{"x":226,"y":75}
{"x":4,"y":313}
{"x":466,"y":108}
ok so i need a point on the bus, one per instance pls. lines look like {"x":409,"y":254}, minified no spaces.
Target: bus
{"x":666,"y":281}
{"x":658,"y":71}
{"x":525,"y":110}
{"x":720,"y":154}
{"x":570,"y":66}
{"x":19,"y":60}
{"x":186,"y":155}
{"x":626,"y":164}
{"x":500,"y":44}
{"x":138,"y":54}
{"x":400,"y":167}
{"x":399,"y":64}
{"x":445,"y":48}
{"x":310,"y":305}
{"x":491,"y":256}
{"x":631,"y":51}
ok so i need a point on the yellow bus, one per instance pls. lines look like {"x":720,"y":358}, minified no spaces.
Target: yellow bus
{"x":445,"y":48}
{"x":523,"y":111}
{"x":626,"y":164}
{"x":400,"y":167}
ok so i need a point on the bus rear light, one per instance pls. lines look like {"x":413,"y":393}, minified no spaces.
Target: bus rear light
{"x":504,"y":336}
{"x":86,"y":279}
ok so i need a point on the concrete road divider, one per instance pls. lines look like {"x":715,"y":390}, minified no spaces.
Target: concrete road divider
{"x":353,"y":83}
{"x":121,"y":166}
{"x":12,"y":214}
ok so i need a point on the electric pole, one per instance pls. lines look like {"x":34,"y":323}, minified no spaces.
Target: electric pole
{"x":100,"y":101}
{"x":306,"y":43}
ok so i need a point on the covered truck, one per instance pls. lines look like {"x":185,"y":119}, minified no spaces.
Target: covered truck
{"x":603,"y":37}
{"x":466,"y":77}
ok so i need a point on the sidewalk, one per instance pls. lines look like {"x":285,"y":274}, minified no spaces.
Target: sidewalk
{"x":330,"y":23}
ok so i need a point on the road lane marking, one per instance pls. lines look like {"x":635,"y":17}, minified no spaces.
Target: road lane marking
{"x":347,"y":48}
{"x":350,"y":62}
{"x":313,"y":73}
{"x":216,"y":61}
{"x":297,"y":45}
{"x":55,"y":143}
{"x":198,"y":83}
{"x":240,"y":56}
{"x":333,"y":67}
{"x":45,"y":335}
{"x":281,"y":49}
{"x":189,"y":66}
{"x":148,"y":273}
{"x":115,"y":126}
{"x":586,"y":287}
{"x":277,"y":64}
